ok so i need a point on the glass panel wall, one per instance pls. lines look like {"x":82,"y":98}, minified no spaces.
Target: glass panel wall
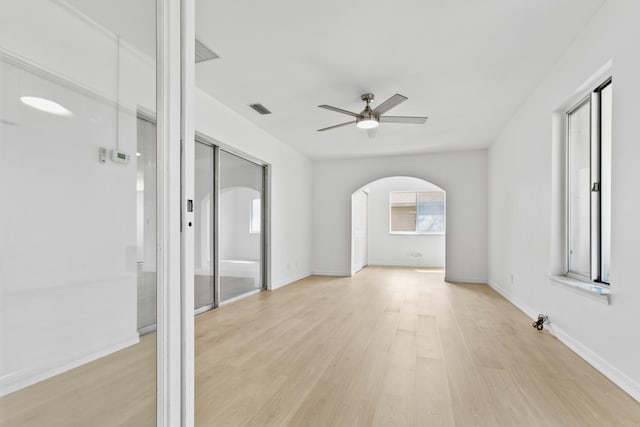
{"x":204,"y":260}
{"x":240,"y":226}
{"x":146,"y":208}
{"x":77,"y":217}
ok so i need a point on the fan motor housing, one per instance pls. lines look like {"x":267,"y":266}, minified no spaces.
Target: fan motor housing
{"x":367,"y":97}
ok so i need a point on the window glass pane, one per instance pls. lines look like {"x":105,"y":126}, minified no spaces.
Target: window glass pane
{"x":605,"y":195}
{"x":403,"y":211}
{"x":579,"y":190}
{"x":430,"y":212}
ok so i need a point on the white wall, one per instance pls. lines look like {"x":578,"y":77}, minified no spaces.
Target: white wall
{"x":463,"y":175}
{"x":525,"y":200}
{"x":424,"y":250}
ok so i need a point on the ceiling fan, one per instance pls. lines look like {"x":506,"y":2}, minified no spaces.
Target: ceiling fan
{"x":370,"y":118}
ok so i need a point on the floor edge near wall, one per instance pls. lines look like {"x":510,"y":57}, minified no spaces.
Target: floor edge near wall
{"x":331,"y":273}
{"x":16,"y":381}
{"x":631,"y":387}
{"x":290,"y":281}
{"x":472,"y":280}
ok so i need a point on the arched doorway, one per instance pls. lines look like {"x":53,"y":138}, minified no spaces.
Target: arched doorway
{"x":398,"y":221}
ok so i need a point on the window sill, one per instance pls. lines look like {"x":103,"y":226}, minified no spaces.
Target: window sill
{"x":413,"y":233}
{"x":589,"y":289}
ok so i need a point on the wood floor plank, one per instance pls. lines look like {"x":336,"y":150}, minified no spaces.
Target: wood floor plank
{"x":432,"y":403}
{"x":395,"y":403}
{"x":389,"y":346}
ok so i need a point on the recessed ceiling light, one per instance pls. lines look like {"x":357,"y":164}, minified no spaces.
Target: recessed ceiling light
{"x":138,"y":154}
{"x":45,"y":105}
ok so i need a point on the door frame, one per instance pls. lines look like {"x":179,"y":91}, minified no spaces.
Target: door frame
{"x":354,"y":242}
{"x":265,"y":247}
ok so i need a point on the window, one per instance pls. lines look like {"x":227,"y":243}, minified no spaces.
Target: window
{"x":589,"y":186}
{"x":254,"y":221}
{"x":416,"y":212}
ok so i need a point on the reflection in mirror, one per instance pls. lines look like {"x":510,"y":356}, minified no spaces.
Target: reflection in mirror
{"x":240,"y":234}
{"x":77,"y":217}
{"x":204,"y":279}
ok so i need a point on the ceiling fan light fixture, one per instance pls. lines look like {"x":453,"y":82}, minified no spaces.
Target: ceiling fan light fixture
{"x":370,"y":118}
{"x":368,"y":123}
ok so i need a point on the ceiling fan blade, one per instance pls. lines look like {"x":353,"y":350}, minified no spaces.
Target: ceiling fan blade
{"x":336,"y":126}
{"x":338,"y":110}
{"x":403,"y":119}
{"x":390,"y":103}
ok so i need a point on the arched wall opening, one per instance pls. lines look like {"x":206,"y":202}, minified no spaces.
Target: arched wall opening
{"x":398,"y":221}
{"x":463,"y":175}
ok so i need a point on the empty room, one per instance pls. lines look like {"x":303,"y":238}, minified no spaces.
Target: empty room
{"x":233,"y":213}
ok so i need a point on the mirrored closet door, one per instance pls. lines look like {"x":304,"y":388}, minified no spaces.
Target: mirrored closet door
{"x":204,"y":209}
{"x":230,"y":222}
{"x":240,"y":238}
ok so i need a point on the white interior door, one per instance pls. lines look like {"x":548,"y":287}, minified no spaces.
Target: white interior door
{"x":360,"y":232}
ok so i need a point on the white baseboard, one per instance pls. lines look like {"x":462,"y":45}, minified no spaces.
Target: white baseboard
{"x":18,"y":380}
{"x":519,"y":304}
{"x":332,"y":273}
{"x":608,"y":370}
{"x":289,"y":281}
{"x":627,"y":384}
{"x":465,"y":280}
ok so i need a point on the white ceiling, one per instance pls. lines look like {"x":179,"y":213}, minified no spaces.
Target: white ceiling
{"x":467,"y":64}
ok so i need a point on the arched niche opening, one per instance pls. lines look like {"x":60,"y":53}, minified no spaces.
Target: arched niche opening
{"x":398,"y":221}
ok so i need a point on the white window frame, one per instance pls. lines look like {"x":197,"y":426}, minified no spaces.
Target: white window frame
{"x":416,"y":232}
{"x":596,"y":208}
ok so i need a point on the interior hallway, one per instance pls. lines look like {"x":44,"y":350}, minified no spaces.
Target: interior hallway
{"x":389,"y":346}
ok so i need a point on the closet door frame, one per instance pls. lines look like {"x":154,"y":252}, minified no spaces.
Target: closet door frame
{"x":265,"y":247}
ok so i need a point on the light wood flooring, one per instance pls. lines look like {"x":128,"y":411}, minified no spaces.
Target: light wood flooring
{"x":389,"y":346}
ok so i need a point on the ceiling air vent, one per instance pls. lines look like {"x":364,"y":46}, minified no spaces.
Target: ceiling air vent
{"x":261,"y":109}
{"x":203,"y":53}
